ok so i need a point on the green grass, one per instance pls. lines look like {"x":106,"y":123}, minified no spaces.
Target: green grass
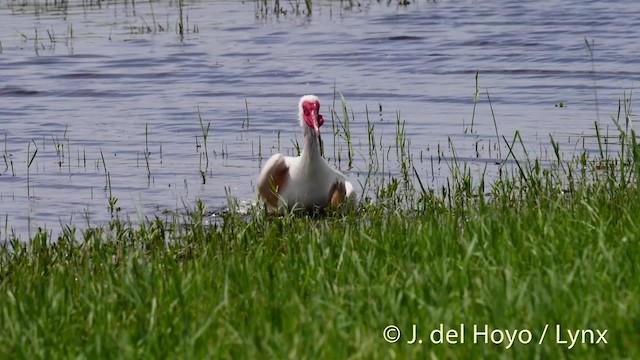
{"x":549,"y":243}
{"x":326,"y":287}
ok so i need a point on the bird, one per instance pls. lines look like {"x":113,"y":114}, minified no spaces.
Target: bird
{"x":306,"y":182}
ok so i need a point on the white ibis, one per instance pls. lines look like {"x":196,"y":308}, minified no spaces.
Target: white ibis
{"x":306,"y":181}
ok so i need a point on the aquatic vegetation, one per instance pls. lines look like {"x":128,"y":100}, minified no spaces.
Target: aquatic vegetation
{"x":551,"y":245}
{"x":205,"y":154}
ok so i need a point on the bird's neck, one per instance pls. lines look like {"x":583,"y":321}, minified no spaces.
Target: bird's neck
{"x":311,"y":150}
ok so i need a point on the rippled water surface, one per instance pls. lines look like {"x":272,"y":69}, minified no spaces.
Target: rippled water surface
{"x":109,"y":92}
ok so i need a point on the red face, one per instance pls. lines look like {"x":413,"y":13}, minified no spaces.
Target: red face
{"x":311,"y":117}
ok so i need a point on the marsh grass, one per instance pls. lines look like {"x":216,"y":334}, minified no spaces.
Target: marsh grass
{"x":205,"y":135}
{"x":181,"y":25}
{"x":475,"y":101}
{"x":147,"y":152}
{"x":343,"y":130}
{"x":326,"y":287}
{"x":264,"y":8}
{"x":8,"y":159}
{"x":178,"y":10}
{"x":30,"y":158}
{"x":548,"y":242}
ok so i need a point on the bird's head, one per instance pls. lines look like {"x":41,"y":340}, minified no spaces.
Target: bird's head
{"x":308,"y":114}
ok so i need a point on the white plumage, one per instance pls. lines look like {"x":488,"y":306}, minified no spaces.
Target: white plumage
{"x":306,"y":181}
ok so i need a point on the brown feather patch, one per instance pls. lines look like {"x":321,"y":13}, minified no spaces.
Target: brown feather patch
{"x":337,"y":194}
{"x":277,"y":180}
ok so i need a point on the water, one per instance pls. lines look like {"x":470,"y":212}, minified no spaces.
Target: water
{"x":115,"y":80}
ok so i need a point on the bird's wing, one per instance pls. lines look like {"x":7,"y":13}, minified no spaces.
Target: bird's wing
{"x":272,"y":179}
{"x":350,"y":192}
{"x":341,"y":192}
{"x":337,"y":194}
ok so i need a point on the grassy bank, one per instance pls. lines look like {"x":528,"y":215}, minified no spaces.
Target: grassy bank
{"x":540,"y":262}
{"x":326,"y":288}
